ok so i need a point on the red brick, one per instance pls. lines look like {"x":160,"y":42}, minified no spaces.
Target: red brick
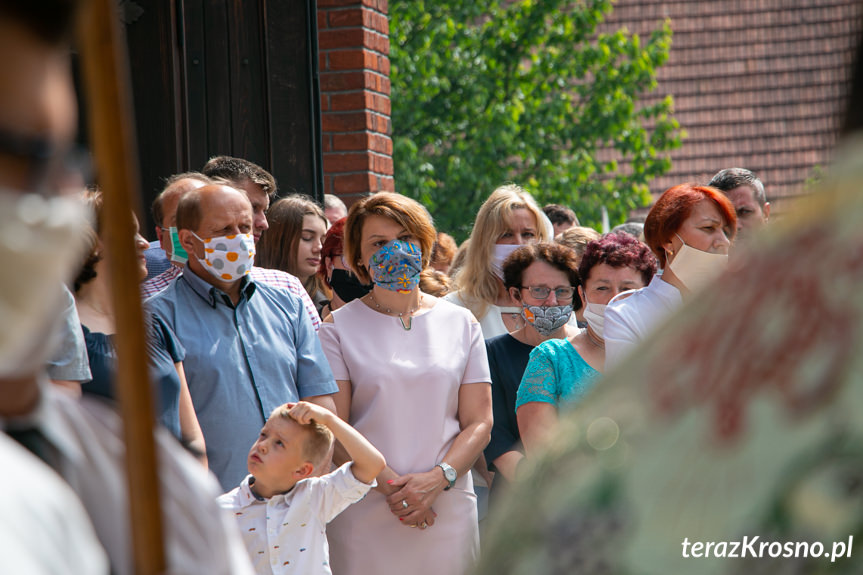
{"x":379,"y":123}
{"x":360,"y":100}
{"x":387,"y":184}
{"x":349,"y":122}
{"x":322,"y":61}
{"x":327,"y":143}
{"x":353,"y":183}
{"x":328,"y":184}
{"x":339,"y":82}
{"x":322,"y":19}
{"x":325,"y":103}
{"x":376,"y":22}
{"x":341,"y":163}
{"x":373,"y":81}
{"x":378,"y":103}
{"x":342,"y":38}
{"x":347,"y":60}
{"x":376,"y":62}
{"x":345,"y":18}
{"x":349,"y":101}
{"x":376,"y":42}
{"x":348,"y":142}
{"x":381,"y":143}
{"x":382,"y":164}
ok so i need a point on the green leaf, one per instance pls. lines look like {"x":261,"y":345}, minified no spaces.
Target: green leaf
{"x":525,"y":91}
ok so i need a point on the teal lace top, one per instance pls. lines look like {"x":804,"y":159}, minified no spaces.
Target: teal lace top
{"x":555,"y":373}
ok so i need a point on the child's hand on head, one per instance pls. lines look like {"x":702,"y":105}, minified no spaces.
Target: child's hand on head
{"x":304,"y":413}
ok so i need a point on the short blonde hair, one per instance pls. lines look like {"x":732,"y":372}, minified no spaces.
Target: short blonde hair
{"x":408,"y":213}
{"x":319,"y":438}
{"x":577,"y":239}
{"x":475,"y":280}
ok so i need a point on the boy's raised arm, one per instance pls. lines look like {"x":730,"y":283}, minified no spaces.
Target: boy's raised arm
{"x":368,"y":461}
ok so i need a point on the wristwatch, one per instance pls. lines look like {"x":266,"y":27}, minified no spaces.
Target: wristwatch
{"x":449,"y":473}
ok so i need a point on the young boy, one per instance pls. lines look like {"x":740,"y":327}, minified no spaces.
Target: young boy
{"x":281,"y":509}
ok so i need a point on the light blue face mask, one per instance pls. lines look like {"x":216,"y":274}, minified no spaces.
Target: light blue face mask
{"x":178,"y":254}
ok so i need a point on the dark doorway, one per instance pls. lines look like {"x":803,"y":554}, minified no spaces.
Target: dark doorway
{"x":231,"y":77}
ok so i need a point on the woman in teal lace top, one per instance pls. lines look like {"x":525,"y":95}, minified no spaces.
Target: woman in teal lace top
{"x":562,"y":370}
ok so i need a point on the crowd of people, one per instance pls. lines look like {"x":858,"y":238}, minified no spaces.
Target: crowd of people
{"x":358,"y":387}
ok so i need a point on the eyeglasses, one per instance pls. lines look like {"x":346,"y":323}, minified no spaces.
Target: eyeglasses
{"x":541,"y":292}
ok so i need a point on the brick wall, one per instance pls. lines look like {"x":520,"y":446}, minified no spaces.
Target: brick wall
{"x":353,"y":43}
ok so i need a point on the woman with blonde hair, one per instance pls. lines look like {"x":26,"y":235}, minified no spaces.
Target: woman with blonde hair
{"x":414,"y":379}
{"x":509,"y":218}
{"x":293,"y":243}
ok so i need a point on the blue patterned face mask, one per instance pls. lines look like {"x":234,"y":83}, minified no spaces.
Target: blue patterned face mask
{"x":396,"y":266}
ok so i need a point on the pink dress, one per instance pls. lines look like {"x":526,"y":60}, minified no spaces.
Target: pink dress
{"x":405,"y":401}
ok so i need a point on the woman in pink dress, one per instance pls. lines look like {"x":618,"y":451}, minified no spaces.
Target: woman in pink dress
{"x":414,"y":379}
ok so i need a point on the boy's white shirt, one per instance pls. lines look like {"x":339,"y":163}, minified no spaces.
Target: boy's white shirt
{"x":287,"y":533}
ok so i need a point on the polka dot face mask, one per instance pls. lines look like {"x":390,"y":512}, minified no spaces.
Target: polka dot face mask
{"x":228,"y":258}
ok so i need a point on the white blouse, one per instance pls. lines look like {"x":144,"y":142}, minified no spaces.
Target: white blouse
{"x":630,"y":319}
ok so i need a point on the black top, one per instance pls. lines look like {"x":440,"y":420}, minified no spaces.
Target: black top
{"x":163,"y":351}
{"x":507,"y":360}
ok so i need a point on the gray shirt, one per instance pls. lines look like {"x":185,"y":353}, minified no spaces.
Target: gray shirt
{"x":69,"y":361}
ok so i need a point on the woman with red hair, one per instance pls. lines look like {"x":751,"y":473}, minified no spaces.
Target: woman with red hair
{"x":335,"y":273}
{"x":689,"y":230}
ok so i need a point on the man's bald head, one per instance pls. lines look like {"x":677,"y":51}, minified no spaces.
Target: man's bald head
{"x":165,"y":205}
{"x":197,"y":205}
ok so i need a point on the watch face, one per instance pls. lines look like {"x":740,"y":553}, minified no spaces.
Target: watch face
{"x":450,"y":474}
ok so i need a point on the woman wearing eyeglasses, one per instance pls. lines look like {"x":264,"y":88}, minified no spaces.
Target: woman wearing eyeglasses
{"x":542,"y":278}
{"x":563,"y":370}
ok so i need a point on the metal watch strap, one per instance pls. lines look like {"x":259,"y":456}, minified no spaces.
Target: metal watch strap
{"x":446,"y":468}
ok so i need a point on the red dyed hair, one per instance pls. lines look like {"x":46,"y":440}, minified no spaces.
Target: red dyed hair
{"x":332,"y":247}
{"x":674,"y":206}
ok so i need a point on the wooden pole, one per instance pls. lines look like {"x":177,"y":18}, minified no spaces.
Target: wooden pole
{"x":107,"y":84}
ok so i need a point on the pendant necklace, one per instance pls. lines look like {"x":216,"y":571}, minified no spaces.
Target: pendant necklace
{"x":406,"y":326}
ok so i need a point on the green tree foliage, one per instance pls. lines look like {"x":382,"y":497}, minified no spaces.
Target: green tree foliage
{"x":489,"y":92}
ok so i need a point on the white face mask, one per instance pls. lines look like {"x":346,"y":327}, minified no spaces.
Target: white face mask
{"x":41,"y":244}
{"x":228,"y":258}
{"x":501,"y":252}
{"x":696,"y":268}
{"x":594,"y":315}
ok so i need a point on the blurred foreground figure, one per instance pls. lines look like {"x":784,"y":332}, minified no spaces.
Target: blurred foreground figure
{"x":740,"y":419}
{"x":43,"y":526}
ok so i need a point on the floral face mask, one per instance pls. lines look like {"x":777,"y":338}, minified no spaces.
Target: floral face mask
{"x":396,"y":266}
